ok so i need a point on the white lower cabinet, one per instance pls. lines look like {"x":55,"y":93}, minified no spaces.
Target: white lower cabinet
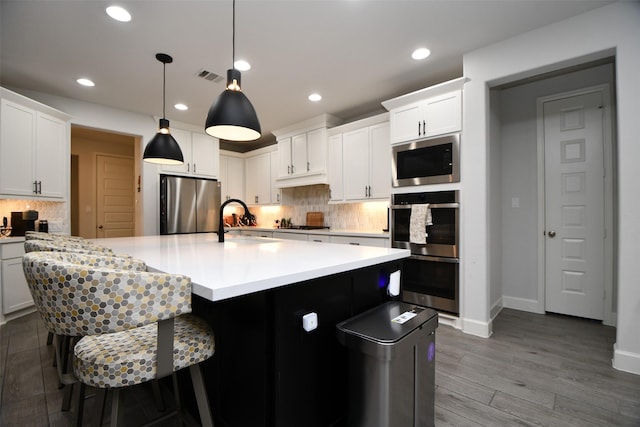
{"x":256,"y":233}
{"x":318,"y":238}
{"x":15,"y":292}
{"x":290,"y":236}
{"x":360,"y":241}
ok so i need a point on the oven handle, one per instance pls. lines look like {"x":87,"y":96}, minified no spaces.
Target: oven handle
{"x":431,"y":206}
{"x":436,"y":259}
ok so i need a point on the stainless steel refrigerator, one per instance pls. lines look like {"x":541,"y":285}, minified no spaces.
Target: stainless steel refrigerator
{"x":189,"y":205}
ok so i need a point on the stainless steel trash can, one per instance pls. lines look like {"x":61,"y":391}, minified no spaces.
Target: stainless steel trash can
{"x":391,"y":365}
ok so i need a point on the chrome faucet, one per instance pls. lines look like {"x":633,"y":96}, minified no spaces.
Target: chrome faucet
{"x":221,"y":223}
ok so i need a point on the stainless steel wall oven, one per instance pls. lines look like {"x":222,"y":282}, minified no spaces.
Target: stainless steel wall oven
{"x":431,"y":273}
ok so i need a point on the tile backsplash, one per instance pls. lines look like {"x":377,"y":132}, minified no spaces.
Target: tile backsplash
{"x":297,"y":201}
{"x":56,"y":213}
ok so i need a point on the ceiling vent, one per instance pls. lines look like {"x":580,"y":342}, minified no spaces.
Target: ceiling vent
{"x":208,"y":75}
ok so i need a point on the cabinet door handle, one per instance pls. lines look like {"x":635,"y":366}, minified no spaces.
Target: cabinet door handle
{"x":256,"y":199}
{"x":35,"y":187}
{"x":354,"y":243}
{"x":308,"y":166}
{"x":293,"y":169}
{"x":419,"y":128}
{"x":188,"y":167}
{"x":278,"y":197}
{"x":424,"y":127}
{"x":288,"y":169}
{"x":39,"y":187}
{"x":194,"y":168}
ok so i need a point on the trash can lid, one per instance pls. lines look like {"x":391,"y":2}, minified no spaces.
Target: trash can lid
{"x":389,"y":322}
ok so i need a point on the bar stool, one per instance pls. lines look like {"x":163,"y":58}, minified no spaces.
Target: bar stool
{"x":136,"y":326}
{"x":38,"y":235}
{"x":63,"y":245}
{"x":64,"y":341}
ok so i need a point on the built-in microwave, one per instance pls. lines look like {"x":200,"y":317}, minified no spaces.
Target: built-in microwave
{"x":429,"y":161}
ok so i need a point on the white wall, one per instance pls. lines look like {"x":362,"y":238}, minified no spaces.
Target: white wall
{"x":519,"y":138}
{"x":612,"y":29}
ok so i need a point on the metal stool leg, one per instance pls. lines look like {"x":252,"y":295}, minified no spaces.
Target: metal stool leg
{"x":201,"y":396}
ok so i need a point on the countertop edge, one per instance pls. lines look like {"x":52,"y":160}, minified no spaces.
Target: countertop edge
{"x":328,"y":232}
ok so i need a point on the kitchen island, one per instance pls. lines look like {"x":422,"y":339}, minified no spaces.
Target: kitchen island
{"x":268,"y":370}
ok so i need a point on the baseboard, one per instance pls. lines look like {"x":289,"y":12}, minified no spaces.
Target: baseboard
{"x":522,"y":304}
{"x":479,"y":329}
{"x":625,"y":361}
{"x":610,"y":319}
{"x":16,"y":314}
{"x":496,"y":308}
{"x":449,"y":320}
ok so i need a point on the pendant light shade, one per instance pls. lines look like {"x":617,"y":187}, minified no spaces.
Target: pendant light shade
{"x":232,"y":117}
{"x":163,"y":148}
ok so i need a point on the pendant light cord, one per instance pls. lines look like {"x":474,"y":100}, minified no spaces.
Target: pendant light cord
{"x":233,"y":39}
{"x":164,"y":88}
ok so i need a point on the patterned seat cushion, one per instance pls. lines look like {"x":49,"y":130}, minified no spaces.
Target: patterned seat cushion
{"x":127,"y":358}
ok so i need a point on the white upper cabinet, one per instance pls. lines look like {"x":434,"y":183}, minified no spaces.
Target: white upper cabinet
{"x":276,"y":193}
{"x":436,"y":110}
{"x":360,"y":160}
{"x":334,"y":162}
{"x":34,"y":149}
{"x":205,"y":155}
{"x":231,"y":177}
{"x":201,"y":154}
{"x":258,"y":179}
{"x":302,"y":152}
{"x":355,"y":166}
{"x":379,"y":162}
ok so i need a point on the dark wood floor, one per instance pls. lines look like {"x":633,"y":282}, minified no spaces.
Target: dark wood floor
{"x":535,"y":370}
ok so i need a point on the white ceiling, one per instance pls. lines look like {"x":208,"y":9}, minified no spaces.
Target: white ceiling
{"x":356,"y":53}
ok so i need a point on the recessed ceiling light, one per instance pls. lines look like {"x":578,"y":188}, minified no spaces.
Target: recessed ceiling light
{"x":421,"y":53}
{"x":181,"y":107}
{"x":118,"y":13}
{"x":315,"y":97}
{"x":242,"y":65}
{"x":85,"y":82}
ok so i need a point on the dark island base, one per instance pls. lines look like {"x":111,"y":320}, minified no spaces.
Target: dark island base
{"x":267,"y":370}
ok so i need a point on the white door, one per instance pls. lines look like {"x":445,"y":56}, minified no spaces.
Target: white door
{"x":115,"y":196}
{"x":574,"y":203}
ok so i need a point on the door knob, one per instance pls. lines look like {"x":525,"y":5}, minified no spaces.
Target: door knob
{"x":552,"y":234}
{"x":100,"y":227}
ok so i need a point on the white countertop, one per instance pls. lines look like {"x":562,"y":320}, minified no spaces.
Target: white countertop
{"x":10,"y":239}
{"x":243,"y":265}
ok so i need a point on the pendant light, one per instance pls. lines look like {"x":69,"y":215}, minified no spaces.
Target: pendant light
{"x":163,"y":148}
{"x":232,"y":117}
